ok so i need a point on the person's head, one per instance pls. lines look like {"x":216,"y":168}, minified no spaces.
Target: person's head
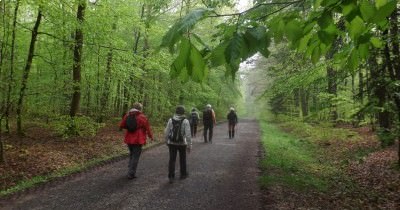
{"x":193,"y":109}
{"x":138,"y":106}
{"x":208,"y":106}
{"x":180,"y":110}
{"x":232,"y":109}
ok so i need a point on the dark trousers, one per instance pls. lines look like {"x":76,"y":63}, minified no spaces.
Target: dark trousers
{"x":134,"y":154}
{"x":173,"y":151}
{"x":193,"y":129}
{"x":231,"y":128}
{"x":209,"y":129}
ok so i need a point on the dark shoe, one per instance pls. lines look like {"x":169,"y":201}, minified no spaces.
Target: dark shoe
{"x":171,"y":180}
{"x":183,"y":177}
{"x":132,"y":177}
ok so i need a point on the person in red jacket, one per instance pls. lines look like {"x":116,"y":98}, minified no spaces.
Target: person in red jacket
{"x":137,"y":138}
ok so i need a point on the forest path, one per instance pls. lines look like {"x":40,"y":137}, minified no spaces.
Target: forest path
{"x":222,"y":175}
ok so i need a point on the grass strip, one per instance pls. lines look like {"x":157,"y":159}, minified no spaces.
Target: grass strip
{"x":291,"y":162}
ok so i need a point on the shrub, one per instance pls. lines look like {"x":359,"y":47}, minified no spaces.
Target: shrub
{"x":84,"y":126}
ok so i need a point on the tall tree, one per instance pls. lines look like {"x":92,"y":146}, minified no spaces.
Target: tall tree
{"x":26,"y":71}
{"x":11,"y":73}
{"x":77,"y":66}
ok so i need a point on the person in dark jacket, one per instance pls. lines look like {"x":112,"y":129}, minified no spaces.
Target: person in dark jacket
{"x":208,"y":123}
{"x":232,"y":121}
{"x":194,"y":120}
{"x":136,"y":139}
{"x":179,"y":127}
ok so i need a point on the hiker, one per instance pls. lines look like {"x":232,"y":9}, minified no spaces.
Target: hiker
{"x":137,"y":128}
{"x":208,"y":123}
{"x":178,"y":139}
{"x":194,"y":120}
{"x":232,"y":121}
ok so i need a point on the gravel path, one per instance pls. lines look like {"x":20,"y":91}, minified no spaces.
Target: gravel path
{"x":222,"y":175}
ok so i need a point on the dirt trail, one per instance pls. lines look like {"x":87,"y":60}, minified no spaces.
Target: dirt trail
{"x":223,"y":175}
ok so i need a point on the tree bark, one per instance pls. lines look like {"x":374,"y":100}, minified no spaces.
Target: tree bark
{"x":27,"y":69}
{"x":394,"y":32}
{"x":304,"y":102}
{"x":106,"y":90}
{"x":77,"y":66}
{"x":11,"y":75}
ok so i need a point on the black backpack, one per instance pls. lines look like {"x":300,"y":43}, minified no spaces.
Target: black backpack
{"x":175,"y":134}
{"x":193,"y":118}
{"x":131,"y":124}
{"x":207,"y":116}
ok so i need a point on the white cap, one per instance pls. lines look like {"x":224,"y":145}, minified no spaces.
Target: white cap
{"x":232,"y":109}
{"x":208,"y":105}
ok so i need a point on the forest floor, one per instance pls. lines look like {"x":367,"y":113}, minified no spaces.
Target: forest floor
{"x":40,"y":155}
{"x":373,"y":174}
{"x":367,"y":176}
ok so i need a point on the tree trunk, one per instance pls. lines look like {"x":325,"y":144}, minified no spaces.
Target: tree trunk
{"x":332,"y":89}
{"x":360,"y":115}
{"x":304,"y":102}
{"x":394,"y":32}
{"x":106,"y":90}
{"x":332,"y":74}
{"x":27,"y":69}
{"x":76,"y":70}
{"x":11,"y":76}
{"x":377,"y":76}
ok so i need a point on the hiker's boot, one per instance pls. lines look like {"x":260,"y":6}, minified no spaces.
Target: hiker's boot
{"x":230,"y":134}
{"x":233,"y":134}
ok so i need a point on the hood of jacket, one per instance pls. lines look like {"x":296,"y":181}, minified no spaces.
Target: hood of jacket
{"x":178,"y":117}
{"x":134,"y":111}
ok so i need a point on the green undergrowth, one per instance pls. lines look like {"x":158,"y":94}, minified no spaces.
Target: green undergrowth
{"x":291,"y":161}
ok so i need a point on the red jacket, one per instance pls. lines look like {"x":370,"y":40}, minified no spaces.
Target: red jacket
{"x":143,"y":129}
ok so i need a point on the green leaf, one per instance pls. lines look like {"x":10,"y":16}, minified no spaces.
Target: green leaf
{"x":384,"y":11}
{"x":304,"y":42}
{"x":199,"y":40}
{"x":325,"y":20}
{"x":218,"y":54}
{"x":317,"y":3}
{"x":363,"y":51}
{"x":380,"y":3}
{"x":294,"y":30}
{"x":326,"y":38}
{"x":316,"y":55}
{"x":353,"y":61}
{"x":181,"y":61}
{"x":265,"y":52}
{"x":327,"y":3}
{"x":356,"y":27}
{"x":348,"y":8}
{"x":367,"y":10}
{"x":256,"y":40}
{"x":376,"y":42}
{"x":198,"y":65}
{"x":235,"y":48}
{"x":182,"y":26}
{"x":277,"y":27}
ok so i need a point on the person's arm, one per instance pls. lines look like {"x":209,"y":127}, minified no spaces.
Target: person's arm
{"x":122,"y":124}
{"x":188,"y":135}
{"x":166,"y":130}
{"x":148,"y":129}
{"x":213,"y":116}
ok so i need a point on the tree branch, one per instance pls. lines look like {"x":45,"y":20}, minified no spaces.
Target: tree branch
{"x":257,"y":6}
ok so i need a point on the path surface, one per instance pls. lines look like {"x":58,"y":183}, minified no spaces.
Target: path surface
{"x":222,"y":175}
